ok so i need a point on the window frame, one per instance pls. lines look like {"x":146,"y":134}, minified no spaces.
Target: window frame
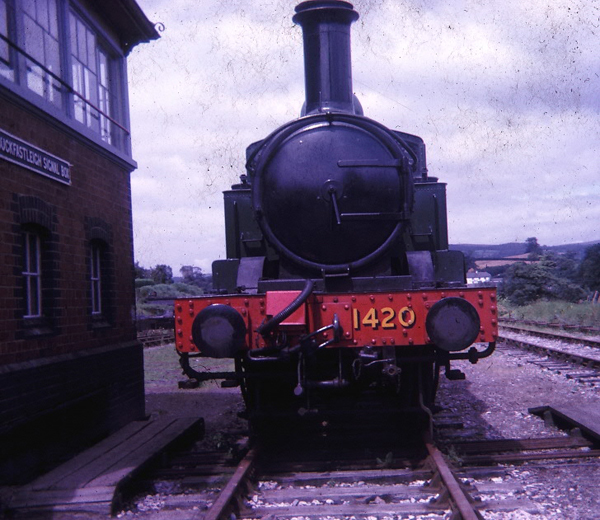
{"x":8,"y":66}
{"x":96,"y":278}
{"x":32,"y":276}
{"x":100,"y":273}
{"x":52,"y":91}
{"x":114,"y":114}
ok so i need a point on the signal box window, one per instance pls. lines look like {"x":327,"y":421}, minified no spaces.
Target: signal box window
{"x":40,"y":24}
{"x":96,"y":278}
{"x":91,"y":79}
{"x":40,"y":266}
{"x":6,"y":67}
{"x":32,"y":273}
{"x":69,"y":62}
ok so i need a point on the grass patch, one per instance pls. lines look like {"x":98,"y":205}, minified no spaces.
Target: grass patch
{"x":161,"y":365}
{"x":584,"y":314}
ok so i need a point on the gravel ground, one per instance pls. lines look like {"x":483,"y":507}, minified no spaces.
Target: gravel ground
{"x":493,"y":402}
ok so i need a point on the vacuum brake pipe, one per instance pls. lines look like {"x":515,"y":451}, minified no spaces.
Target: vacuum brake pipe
{"x":268,"y":326}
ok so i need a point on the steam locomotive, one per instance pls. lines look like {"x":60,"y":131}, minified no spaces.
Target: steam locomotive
{"x":338,"y":279}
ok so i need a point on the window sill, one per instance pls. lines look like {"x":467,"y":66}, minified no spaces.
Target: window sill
{"x":36,"y":327}
{"x":99,"y":322}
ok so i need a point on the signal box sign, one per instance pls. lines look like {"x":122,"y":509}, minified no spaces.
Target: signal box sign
{"x":19,"y":152}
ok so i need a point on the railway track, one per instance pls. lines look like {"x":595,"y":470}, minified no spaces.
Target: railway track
{"x":261,"y":487}
{"x":565,"y":337}
{"x":558,"y":328}
{"x":334,"y":478}
{"x":156,"y":337}
{"x":303,"y":485}
{"x":575,"y":357}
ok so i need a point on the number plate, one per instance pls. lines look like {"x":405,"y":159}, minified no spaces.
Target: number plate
{"x":383,"y":318}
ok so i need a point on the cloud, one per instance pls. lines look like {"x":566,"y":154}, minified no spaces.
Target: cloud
{"x":504,"y":95}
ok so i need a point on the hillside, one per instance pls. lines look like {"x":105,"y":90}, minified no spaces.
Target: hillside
{"x":490,"y":252}
{"x":499,"y":251}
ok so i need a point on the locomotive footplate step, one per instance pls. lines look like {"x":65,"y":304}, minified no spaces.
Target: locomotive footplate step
{"x":96,"y":479}
{"x":587,"y":420}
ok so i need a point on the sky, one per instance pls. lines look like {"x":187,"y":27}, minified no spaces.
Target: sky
{"x":506,"y":96}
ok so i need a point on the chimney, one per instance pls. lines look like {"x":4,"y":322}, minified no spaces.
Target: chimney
{"x":327,"y":64}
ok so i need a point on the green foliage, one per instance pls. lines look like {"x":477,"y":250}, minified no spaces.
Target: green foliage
{"x":523,"y":283}
{"x":193,"y":275}
{"x":167,"y":291}
{"x":171,"y":290}
{"x":140,"y":272}
{"x":145,"y":294}
{"x":185,"y":289}
{"x":147,"y":310}
{"x":589,"y":269}
{"x":533,"y":248}
{"x":157,"y":283}
{"x":496,"y":270}
{"x":162,"y":273}
{"x":142,"y":282}
{"x":552,"y":278}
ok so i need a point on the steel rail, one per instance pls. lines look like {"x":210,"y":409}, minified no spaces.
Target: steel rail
{"x":153,"y":337}
{"x":552,"y":351}
{"x":234,"y":487}
{"x":567,"y":338}
{"x":464,"y":507}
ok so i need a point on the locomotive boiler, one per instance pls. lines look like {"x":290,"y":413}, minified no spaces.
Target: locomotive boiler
{"x":338,"y":279}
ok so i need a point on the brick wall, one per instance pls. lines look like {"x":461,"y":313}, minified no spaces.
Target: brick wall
{"x":51,"y":367}
{"x":98,"y":198}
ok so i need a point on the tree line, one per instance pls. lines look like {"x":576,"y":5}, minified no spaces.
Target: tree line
{"x":163,"y":274}
{"x":551,"y":276}
{"x":156,"y":286}
{"x":545,"y":275}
